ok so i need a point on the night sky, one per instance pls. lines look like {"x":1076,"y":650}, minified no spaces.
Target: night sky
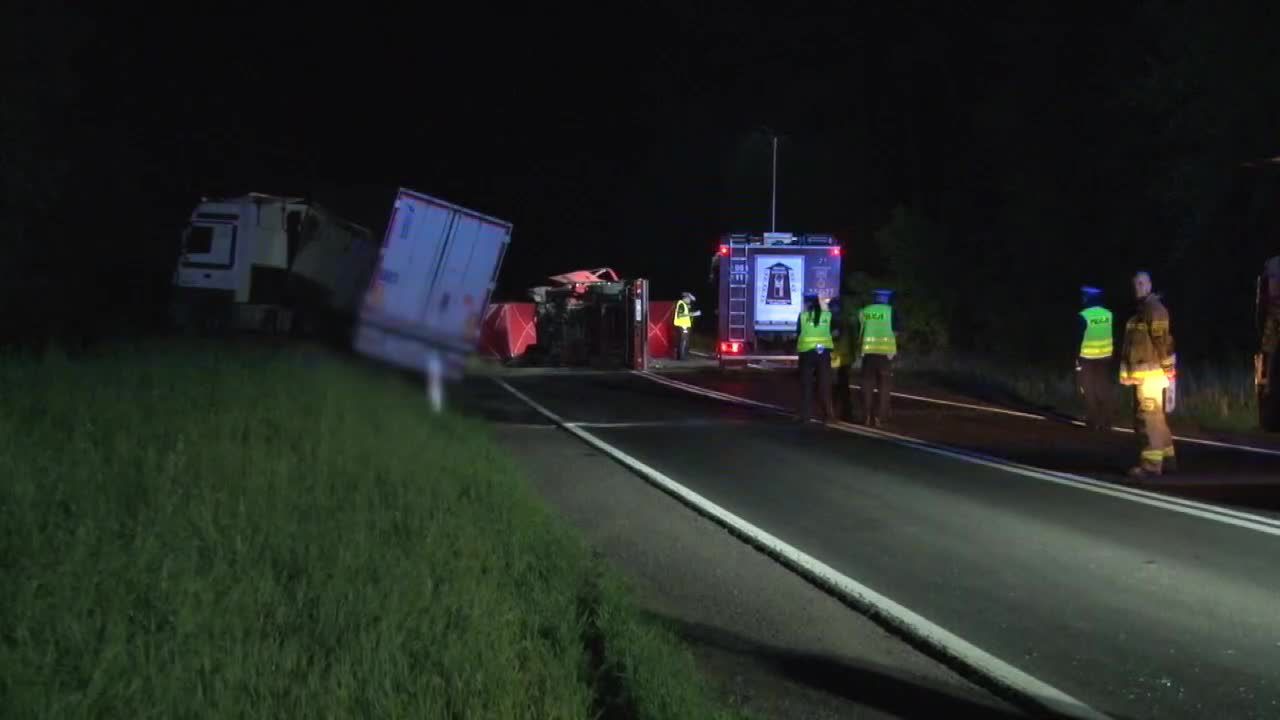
{"x":1040,"y":147}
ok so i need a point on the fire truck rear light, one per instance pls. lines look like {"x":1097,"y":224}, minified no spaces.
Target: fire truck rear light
{"x":835,"y":251}
{"x":724,"y":250}
{"x":730,"y":348}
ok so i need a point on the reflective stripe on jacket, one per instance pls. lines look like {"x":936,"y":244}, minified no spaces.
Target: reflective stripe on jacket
{"x":1148,"y":350}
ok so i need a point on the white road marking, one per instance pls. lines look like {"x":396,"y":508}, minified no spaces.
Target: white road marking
{"x":1032,"y":416}
{"x":1078,"y":423}
{"x":1211,"y":443}
{"x":1249,"y":521}
{"x":655,"y":423}
{"x":967,"y":406}
{"x":551,"y":371}
{"x":952,"y":650}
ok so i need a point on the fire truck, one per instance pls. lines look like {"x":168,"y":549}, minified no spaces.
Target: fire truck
{"x":762,"y":281}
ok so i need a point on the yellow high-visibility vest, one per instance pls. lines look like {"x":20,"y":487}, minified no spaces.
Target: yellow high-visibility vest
{"x":682,"y":315}
{"x":811,"y":336}
{"x":877,"y":331}
{"x":1099,"y":341}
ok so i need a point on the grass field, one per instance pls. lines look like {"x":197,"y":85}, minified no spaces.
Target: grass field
{"x":193,"y":532}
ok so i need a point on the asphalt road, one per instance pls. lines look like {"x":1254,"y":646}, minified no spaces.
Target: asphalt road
{"x":768,"y":641}
{"x":1228,"y":477}
{"x":1137,"y":610}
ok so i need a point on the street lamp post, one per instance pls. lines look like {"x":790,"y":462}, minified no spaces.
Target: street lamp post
{"x":773,"y":205}
{"x":773,"y":174}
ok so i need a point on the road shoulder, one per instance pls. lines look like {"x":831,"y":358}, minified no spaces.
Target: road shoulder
{"x":771,"y":643}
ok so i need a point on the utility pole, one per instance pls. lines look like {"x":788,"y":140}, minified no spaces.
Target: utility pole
{"x":773,"y":207}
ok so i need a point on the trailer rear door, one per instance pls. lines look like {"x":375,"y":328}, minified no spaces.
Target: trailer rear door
{"x":438,"y":267}
{"x":472,"y":258}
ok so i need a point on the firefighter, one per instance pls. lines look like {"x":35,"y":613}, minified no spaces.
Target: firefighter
{"x":813,"y":346}
{"x":1148,"y":364}
{"x":878,"y":346}
{"x":1097,"y":346}
{"x":684,"y":321}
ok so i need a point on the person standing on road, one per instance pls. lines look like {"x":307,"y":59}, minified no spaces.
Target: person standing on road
{"x":684,"y":322}
{"x":878,"y":345}
{"x":813,"y":346}
{"x":1093,"y":364}
{"x":1148,"y":364}
{"x":843,"y":358}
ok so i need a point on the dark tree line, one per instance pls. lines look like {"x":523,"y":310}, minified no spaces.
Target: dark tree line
{"x":989,"y":166}
{"x":986,"y":161}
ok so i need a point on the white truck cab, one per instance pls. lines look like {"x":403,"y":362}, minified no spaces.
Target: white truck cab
{"x":268,"y":263}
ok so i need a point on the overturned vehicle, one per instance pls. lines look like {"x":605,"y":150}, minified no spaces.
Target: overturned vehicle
{"x":590,"y":318}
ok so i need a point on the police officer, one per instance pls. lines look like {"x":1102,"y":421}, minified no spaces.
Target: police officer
{"x":1148,"y":363}
{"x":1093,"y":363}
{"x":878,"y":345}
{"x":683,"y":322}
{"x":813,"y":346}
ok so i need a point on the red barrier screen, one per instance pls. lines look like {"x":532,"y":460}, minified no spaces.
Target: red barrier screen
{"x":507,"y":329}
{"x":662,"y":340}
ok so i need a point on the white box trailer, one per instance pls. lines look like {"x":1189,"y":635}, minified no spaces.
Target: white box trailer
{"x":269,"y":263}
{"x":435,"y":274}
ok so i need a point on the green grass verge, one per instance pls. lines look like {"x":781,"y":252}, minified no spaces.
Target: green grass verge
{"x":194,"y":532}
{"x":1209,"y":398}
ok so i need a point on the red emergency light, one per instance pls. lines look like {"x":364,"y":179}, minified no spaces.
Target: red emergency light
{"x":835,"y":251}
{"x":731,"y":348}
{"x":724,"y":250}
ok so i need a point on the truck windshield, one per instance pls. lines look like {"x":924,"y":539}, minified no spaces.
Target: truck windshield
{"x":199,"y":240}
{"x":209,"y":245}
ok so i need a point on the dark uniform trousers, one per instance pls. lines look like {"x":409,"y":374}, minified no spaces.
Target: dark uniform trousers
{"x":814,"y":363}
{"x":1094,"y":381}
{"x":877,"y":373}
{"x":844,"y":393}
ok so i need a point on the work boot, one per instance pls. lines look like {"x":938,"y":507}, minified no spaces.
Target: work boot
{"x":1140,"y":474}
{"x":1170,"y":466}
